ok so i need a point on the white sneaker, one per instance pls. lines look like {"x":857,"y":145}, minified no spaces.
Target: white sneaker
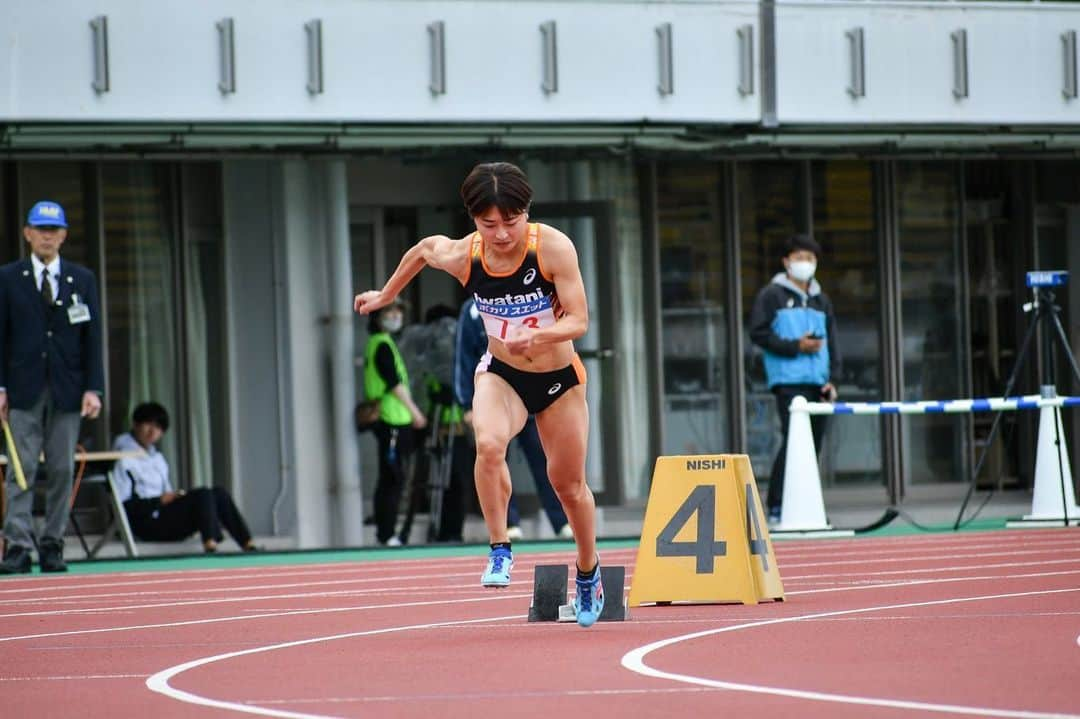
{"x":514,"y":533}
{"x":394,"y":541}
{"x":567,"y":532}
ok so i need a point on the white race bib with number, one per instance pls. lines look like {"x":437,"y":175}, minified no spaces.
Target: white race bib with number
{"x":536,"y":314}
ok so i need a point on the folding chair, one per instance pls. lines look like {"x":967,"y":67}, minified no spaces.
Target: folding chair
{"x":117,"y":524}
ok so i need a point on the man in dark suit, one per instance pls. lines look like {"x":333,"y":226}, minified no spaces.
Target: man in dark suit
{"x":50,"y":377}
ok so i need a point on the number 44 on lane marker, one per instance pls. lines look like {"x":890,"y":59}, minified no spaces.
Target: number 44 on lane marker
{"x":705,"y":538}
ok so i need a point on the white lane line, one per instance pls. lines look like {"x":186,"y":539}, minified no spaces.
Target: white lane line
{"x":224,"y":600}
{"x":74,"y":677}
{"x":506,"y":694}
{"x":316,"y":595}
{"x":917,"y":570}
{"x":366,"y":569}
{"x":189,"y":576}
{"x":934,"y":580}
{"x":789,"y":580}
{"x":244,"y":617}
{"x":919,"y":558}
{"x":159,"y":682}
{"x":329,"y":610}
{"x":246,"y":588}
{"x":783,"y":550}
{"x":634,"y":660}
{"x":370,"y":571}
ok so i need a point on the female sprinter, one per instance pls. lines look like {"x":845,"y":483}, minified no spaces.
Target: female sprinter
{"x":527,"y":285}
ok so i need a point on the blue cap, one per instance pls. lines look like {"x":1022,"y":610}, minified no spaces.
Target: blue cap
{"x":46,"y":214}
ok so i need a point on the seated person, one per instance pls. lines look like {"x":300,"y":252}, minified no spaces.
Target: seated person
{"x":156,"y":512}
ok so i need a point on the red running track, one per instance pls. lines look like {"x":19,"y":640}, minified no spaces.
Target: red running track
{"x":981,"y":624}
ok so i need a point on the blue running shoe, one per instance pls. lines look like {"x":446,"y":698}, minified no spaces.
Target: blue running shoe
{"x":497,"y":574}
{"x":589,"y":601}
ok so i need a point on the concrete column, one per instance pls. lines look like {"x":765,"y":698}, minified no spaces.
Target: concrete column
{"x":343,"y":395}
{"x":308,"y":388}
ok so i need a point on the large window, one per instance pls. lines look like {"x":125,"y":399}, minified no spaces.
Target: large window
{"x":694,"y":281}
{"x":137,"y":199}
{"x":205,"y":420}
{"x":843,"y":221}
{"x":770,"y":211}
{"x":934,"y":350}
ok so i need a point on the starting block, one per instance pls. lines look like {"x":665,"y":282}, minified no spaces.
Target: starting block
{"x":549,"y":594}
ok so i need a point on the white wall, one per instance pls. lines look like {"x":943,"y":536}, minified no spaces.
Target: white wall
{"x":164,"y":61}
{"x":1015,"y":62}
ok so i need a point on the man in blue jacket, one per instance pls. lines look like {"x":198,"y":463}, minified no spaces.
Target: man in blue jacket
{"x":51,"y":377}
{"x":793,"y":322}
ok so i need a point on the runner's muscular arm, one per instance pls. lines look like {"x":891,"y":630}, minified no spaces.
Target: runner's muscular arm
{"x":437,"y":251}
{"x":561,"y":263}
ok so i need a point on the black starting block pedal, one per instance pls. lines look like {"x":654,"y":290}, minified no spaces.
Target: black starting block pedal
{"x":549,"y":592}
{"x":615,"y":607}
{"x":549,"y":595}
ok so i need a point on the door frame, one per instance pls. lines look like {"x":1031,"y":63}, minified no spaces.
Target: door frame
{"x":602,"y":212}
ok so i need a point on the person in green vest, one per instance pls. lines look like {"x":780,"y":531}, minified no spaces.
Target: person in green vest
{"x":387,"y":380}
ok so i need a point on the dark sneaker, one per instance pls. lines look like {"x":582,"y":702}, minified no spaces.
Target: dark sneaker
{"x":16,"y":560}
{"x":589,"y":602}
{"x":51,"y":554}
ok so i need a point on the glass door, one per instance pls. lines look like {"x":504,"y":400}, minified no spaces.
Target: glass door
{"x":590,"y":226}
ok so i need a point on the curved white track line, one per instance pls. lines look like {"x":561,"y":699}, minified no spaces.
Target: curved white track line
{"x":634,"y":660}
{"x":160,"y":682}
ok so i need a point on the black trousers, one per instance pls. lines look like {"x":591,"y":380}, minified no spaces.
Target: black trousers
{"x":395,"y":445}
{"x":454,"y":500}
{"x":201,"y":510}
{"x":784,"y":393}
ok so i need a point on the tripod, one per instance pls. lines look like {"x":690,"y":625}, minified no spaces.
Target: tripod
{"x":1046,"y":313}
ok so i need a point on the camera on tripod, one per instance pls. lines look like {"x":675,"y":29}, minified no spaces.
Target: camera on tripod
{"x":1047,"y":278}
{"x":1041,"y":282}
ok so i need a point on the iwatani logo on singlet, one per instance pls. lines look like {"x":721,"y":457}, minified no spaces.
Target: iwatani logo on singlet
{"x":509,"y":299}
{"x":532,"y":309}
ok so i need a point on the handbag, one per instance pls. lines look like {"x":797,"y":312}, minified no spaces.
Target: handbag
{"x":367,"y":414}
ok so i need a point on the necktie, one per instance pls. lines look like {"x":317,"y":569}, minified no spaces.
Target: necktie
{"x":46,"y":288}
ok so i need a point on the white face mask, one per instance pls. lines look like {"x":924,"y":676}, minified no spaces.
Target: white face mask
{"x":393,"y":323}
{"x":801,"y":270}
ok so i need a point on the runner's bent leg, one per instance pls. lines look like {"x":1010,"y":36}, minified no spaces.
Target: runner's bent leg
{"x":498,"y":415}
{"x":564,"y":432}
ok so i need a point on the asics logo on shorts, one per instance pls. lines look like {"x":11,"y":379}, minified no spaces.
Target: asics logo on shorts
{"x":555,"y":388}
{"x":529,"y":276}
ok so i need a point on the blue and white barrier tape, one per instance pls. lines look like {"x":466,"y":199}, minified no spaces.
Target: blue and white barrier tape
{"x":951,"y":406}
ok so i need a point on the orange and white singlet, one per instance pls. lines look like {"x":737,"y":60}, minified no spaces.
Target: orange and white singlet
{"x":523,"y":296}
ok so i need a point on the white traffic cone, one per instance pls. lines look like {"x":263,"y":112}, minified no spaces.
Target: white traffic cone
{"x":1047,"y":505}
{"x":804,"y":507}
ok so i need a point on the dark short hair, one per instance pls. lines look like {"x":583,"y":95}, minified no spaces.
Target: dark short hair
{"x":496,"y":184}
{"x":151,"y":412}
{"x":438,"y":312}
{"x":796,"y":243}
{"x":373,"y":323}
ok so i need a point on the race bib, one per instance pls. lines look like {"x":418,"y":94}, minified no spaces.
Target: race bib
{"x":536,"y":314}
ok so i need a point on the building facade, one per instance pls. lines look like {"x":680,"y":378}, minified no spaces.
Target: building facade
{"x":235,"y":170}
